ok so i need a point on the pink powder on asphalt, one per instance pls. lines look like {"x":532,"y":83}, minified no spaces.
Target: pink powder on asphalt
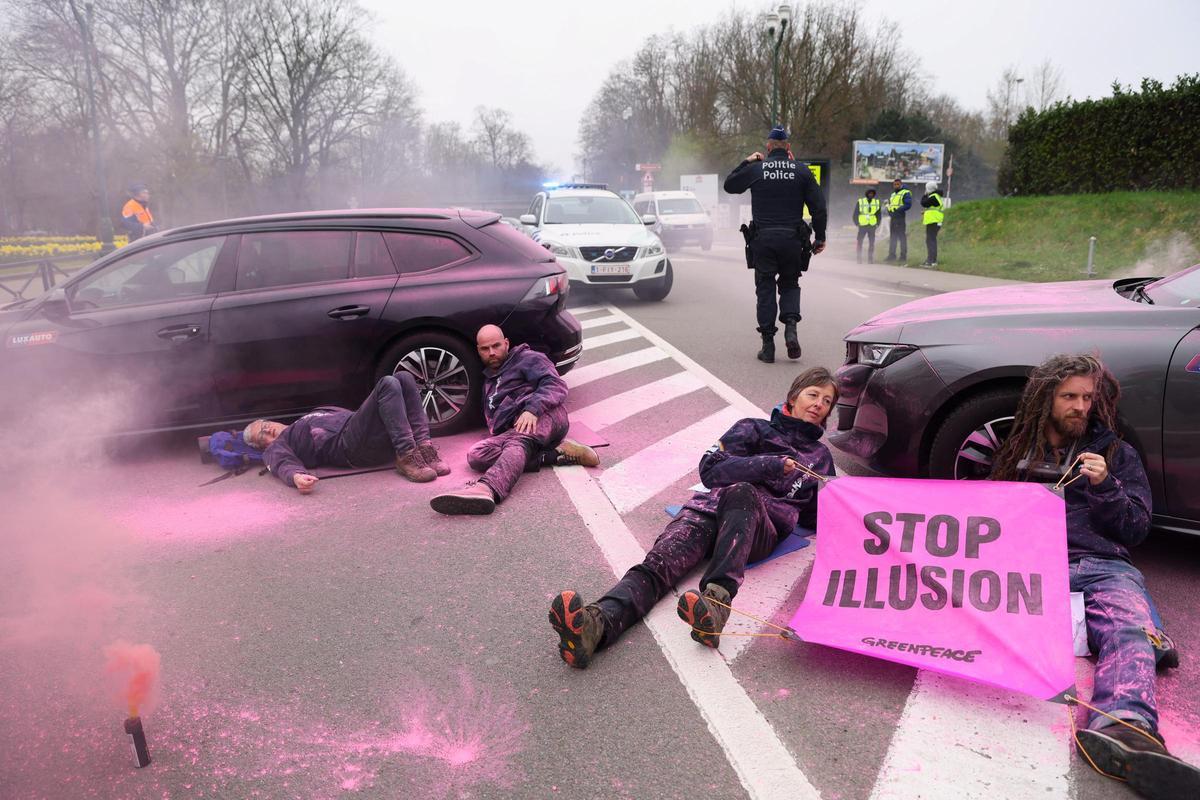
{"x":220,"y":516}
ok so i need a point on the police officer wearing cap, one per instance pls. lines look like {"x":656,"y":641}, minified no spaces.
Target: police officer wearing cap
{"x":777,"y":240}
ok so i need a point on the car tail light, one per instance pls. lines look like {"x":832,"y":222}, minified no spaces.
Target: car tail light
{"x":549,"y":286}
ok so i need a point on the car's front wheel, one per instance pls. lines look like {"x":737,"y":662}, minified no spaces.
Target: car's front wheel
{"x":965,"y":445}
{"x":449,"y":377}
{"x":656,"y":289}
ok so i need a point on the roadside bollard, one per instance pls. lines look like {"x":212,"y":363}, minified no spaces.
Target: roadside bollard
{"x":1091,"y":271}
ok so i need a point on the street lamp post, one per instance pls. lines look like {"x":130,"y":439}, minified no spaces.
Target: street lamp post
{"x":105,"y":221}
{"x":777,"y":22}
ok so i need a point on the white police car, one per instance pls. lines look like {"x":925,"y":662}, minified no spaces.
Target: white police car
{"x":599,"y":239}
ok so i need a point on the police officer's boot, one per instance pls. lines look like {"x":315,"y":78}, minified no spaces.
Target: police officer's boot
{"x":767,"y":353}
{"x":791,"y":340}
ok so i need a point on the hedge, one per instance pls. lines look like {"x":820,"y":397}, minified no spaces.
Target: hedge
{"x":1132,"y":140}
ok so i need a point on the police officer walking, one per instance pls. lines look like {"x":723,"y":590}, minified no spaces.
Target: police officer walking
{"x":933,"y":217}
{"x":866,"y":217}
{"x":897,"y":207}
{"x":777,"y":240}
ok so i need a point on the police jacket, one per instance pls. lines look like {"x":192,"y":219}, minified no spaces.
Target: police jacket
{"x":314,"y":440}
{"x":780,"y":188}
{"x":752,"y":451}
{"x":526,"y":381}
{"x":1107,"y":519}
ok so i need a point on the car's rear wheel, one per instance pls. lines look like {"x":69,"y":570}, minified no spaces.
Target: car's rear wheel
{"x":449,"y":377}
{"x":656,"y":289}
{"x":965,"y":445}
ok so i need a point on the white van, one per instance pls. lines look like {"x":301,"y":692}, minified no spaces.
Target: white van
{"x":681,"y":218}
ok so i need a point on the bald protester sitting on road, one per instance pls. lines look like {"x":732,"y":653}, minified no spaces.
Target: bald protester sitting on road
{"x":524,"y":406}
{"x":390,"y":423}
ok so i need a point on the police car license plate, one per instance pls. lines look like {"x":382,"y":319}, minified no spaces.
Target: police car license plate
{"x":610,"y":269}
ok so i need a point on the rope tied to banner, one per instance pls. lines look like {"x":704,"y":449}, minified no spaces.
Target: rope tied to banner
{"x":1060,"y":484}
{"x":784,"y":632}
{"x":1072,"y":700}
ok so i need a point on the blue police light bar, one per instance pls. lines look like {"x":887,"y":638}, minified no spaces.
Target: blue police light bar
{"x":582,"y":186}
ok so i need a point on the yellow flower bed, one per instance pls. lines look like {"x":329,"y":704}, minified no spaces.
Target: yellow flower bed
{"x":17,"y":248}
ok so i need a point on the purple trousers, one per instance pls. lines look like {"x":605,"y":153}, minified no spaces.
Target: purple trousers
{"x":1117,"y":613}
{"x":504,"y":456}
{"x":740,"y":533}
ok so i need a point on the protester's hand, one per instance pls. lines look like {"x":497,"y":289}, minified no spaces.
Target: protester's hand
{"x":305,"y":482}
{"x":755,"y":156}
{"x":526,"y":423}
{"x":818,"y":246}
{"x":1094,"y":467}
{"x":789,"y":465}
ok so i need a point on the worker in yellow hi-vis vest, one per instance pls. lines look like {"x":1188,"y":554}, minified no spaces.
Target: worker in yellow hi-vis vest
{"x":933,"y":217}
{"x":866,"y":217}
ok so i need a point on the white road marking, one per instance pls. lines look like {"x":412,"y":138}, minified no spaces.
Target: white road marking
{"x":890,"y":294}
{"x":588,"y":309}
{"x":727,"y":392}
{"x":618,"y":407}
{"x":603,"y":369}
{"x":961,"y":741}
{"x":762,"y":762}
{"x":765,"y":588}
{"x":623,"y":335}
{"x":637,"y":478}
{"x":594,"y":322}
{"x":855,"y":292}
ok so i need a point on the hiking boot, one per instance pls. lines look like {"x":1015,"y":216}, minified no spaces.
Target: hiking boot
{"x":791,"y":340}
{"x":1137,"y":755}
{"x":570,"y":452}
{"x":433,"y":459}
{"x":706,"y":618}
{"x":767,"y":353}
{"x":412,"y":466}
{"x":579,"y":628}
{"x":1166,"y":656}
{"x":474,"y":498}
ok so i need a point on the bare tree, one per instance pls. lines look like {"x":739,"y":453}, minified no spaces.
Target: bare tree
{"x":497,"y":141}
{"x":1044,"y":87}
{"x":1004,"y":103}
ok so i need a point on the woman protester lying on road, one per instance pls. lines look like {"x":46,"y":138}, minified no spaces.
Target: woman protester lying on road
{"x":390,"y":424}
{"x":761,"y":476}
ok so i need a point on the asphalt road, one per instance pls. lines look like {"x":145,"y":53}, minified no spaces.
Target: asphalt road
{"x":354,"y":643}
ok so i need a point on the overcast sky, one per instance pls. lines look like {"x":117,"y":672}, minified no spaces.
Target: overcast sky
{"x":543,"y":61}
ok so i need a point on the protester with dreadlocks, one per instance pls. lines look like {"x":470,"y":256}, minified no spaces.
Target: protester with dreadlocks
{"x":1067,"y":419}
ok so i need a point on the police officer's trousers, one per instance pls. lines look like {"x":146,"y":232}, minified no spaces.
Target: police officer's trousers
{"x":898,"y":233}
{"x":931,"y":233}
{"x":779,"y":256}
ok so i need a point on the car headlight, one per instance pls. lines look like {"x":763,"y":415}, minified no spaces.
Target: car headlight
{"x":559,"y":249}
{"x":880,"y":355}
{"x":654,"y":250}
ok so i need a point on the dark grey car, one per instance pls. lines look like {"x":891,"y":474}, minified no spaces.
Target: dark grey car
{"x":929,"y":387}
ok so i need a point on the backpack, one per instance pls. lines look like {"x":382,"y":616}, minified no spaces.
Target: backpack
{"x":231,"y":452}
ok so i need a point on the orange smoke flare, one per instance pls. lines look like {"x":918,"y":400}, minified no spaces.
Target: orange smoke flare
{"x":135,"y":668}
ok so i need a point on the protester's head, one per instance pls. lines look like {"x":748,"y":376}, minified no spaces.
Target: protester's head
{"x":777,"y":139}
{"x":871,"y":194}
{"x":896,"y":184}
{"x":811,"y":396}
{"x":492,"y":346}
{"x":262,"y":432}
{"x":930,"y":187}
{"x":139,"y":192}
{"x":1060,"y":399}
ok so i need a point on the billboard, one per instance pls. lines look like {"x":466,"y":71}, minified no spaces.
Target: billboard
{"x":911,"y":162}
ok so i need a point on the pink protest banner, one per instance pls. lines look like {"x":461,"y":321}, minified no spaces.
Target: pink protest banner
{"x":968,"y":578}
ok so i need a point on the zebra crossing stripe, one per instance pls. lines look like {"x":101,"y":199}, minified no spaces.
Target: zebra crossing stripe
{"x":612,"y":338}
{"x":624,"y":405}
{"x":603,"y":369}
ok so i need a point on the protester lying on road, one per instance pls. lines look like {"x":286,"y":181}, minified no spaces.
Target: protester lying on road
{"x":390,"y":424}
{"x":527,"y":418}
{"x":1067,"y":416}
{"x":760,"y":490}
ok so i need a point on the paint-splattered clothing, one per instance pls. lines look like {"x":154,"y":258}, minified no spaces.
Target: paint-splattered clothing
{"x":753,"y":503}
{"x":753,"y":452}
{"x":526,"y":381}
{"x":503,"y":458}
{"x":1103,"y":522}
{"x":389,"y":423}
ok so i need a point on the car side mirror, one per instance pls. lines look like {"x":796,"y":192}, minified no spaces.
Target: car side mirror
{"x":528,"y":219}
{"x":55,"y":305}
{"x":649,"y":219}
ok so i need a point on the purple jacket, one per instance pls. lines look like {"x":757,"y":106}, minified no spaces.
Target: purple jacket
{"x":526,"y":381}
{"x":314,"y":440}
{"x":752,"y":451}
{"x":1106,"y":520}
